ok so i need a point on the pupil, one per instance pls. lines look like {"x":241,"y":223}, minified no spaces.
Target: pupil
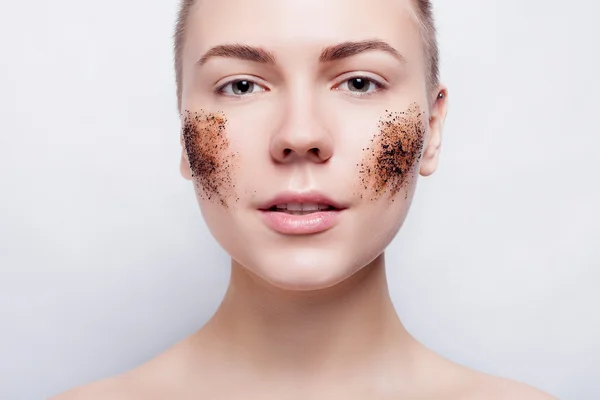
{"x":242,"y":87}
{"x":362,"y":85}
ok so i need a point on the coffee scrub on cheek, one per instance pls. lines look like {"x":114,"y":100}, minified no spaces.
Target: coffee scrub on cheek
{"x":391,"y":160}
{"x":211,"y":160}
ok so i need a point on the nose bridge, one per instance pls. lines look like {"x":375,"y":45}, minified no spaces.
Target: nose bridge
{"x":301,"y":132}
{"x":299,"y":116}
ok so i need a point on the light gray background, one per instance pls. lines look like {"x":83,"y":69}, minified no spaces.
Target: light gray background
{"x":105,"y":260}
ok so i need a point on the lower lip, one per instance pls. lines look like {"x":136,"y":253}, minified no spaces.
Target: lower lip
{"x":289,"y":224}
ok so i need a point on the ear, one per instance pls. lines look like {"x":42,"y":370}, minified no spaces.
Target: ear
{"x":431,"y":152}
{"x":184,"y":165}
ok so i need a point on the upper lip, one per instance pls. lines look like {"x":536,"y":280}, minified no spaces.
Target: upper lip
{"x":312,"y":197}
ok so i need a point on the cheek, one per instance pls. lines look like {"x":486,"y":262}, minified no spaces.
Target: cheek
{"x":211,"y":159}
{"x":249,"y":139}
{"x":390,"y":161}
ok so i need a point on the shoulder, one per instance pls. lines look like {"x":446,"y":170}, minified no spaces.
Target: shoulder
{"x":114,"y":388}
{"x":145,"y":382}
{"x":154,"y":379}
{"x":457,"y":381}
{"x":495,"y":388}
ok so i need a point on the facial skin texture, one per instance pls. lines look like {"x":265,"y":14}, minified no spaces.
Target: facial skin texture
{"x":210,"y":162}
{"x":299,"y":104}
{"x":394,"y":153}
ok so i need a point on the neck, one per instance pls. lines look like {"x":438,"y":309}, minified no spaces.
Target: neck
{"x":350,"y":324}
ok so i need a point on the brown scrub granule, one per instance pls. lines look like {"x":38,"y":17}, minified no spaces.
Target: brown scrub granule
{"x":211,"y":161}
{"x":394,"y":153}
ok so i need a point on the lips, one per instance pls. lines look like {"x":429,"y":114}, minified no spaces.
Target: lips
{"x":302,"y":208}
{"x":301,"y":213}
{"x":301,"y":201}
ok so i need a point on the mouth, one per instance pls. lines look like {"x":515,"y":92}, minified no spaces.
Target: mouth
{"x":301,"y":214}
{"x":302,"y":208}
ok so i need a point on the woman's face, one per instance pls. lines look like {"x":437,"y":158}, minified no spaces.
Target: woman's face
{"x":311,"y":105}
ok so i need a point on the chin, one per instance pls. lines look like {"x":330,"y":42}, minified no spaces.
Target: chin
{"x":305,"y":269}
{"x":304,"y":262}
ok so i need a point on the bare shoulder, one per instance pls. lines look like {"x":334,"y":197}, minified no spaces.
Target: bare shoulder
{"x":518,"y":390}
{"x":149,"y":381}
{"x":491,"y":387}
{"x":116,"y":388}
{"x":156,"y":379}
{"x":457,"y":381}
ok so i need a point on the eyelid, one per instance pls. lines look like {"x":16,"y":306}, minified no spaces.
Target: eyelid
{"x":379,"y":81}
{"x":221,"y":84}
{"x":361,"y":74}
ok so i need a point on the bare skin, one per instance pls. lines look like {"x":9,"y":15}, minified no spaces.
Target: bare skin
{"x":305,"y":316}
{"x":234,"y":357}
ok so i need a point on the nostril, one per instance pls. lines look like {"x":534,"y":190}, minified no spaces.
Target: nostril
{"x":314,"y":152}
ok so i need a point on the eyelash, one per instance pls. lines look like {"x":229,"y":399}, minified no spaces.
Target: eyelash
{"x":380,"y":86}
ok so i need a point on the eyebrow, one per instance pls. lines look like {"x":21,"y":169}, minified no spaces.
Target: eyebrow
{"x":349,"y":49}
{"x":328,"y":54}
{"x":241,"y":52}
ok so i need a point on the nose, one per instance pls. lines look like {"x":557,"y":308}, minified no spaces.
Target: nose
{"x":302,"y":133}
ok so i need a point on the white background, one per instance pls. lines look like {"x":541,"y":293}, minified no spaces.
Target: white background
{"x":105,"y":260}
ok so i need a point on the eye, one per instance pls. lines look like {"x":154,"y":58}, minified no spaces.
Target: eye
{"x":240,"y":87}
{"x":360,"y":85}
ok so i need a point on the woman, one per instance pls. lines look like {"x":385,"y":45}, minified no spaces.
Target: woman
{"x":305,"y":125}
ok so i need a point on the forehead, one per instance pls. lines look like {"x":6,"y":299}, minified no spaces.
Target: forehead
{"x":292,"y":24}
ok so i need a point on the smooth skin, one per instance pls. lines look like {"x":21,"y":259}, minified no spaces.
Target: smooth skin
{"x":306,"y":317}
